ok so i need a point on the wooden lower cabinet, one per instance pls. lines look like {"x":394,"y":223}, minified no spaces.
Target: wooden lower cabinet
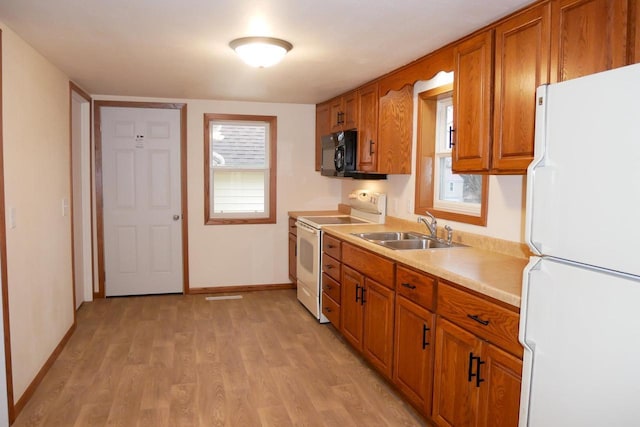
{"x":475,"y":383}
{"x":293,"y":250}
{"x":413,"y":352}
{"x":351,"y":309}
{"x":378,"y":303}
{"x":366,"y":319}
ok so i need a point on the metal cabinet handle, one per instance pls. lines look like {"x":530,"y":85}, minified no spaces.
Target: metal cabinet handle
{"x":371,"y":144}
{"x":451,"y":131}
{"x":471,"y":375}
{"x":408,"y":285}
{"x":424,"y":336}
{"x":357,"y":289}
{"x":477,"y":318}
{"x":328,"y":266}
{"x":362,"y":300}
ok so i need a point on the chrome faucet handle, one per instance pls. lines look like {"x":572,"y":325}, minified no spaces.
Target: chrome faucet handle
{"x":449,"y":234}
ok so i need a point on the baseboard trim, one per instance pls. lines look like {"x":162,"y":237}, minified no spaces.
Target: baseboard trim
{"x":28,"y":393}
{"x":241,"y":288}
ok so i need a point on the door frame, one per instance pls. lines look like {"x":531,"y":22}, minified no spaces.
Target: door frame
{"x":73,"y":88}
{"x":182,"y":107}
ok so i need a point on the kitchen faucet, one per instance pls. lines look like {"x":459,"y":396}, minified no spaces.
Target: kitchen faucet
{"x":432,"y":225}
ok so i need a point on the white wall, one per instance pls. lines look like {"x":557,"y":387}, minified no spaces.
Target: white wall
{"x":36,"y":172}
{"x":225,"y":255}
{"x":505,"y":218}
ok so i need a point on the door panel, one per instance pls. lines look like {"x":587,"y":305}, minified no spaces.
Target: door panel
{"x":378,"y":325}
{"x":142,"y":200}
{"x":351,"y":320}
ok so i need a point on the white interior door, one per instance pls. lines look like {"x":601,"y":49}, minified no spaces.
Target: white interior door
{"x":141,"y":200}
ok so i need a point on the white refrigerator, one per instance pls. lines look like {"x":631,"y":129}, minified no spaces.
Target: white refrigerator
{"x":580,"y":313}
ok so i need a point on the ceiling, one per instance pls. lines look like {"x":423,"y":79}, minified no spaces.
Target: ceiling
{"x":179,"y":48}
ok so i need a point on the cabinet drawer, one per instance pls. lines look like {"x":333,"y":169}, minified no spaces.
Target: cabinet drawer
{"x":418,"y":287}
{"x":331,"y":246}
{"x":293,"y":229}
{"x":331,"y":309}
{"x":482,"y":317}
{"x":331,"y":266}
{"x":331,"y":287}
{"x":371,"y":265}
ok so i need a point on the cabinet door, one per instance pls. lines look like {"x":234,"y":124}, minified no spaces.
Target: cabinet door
{"x":350,"y":110}
{"x":472,"y":98}
{"x":500,"y":391}
{"x":395,"y":132}
{"x":336,"y":114}
{"x":378,"y":325}
{"x":323,"y":127}
{"x":367,"y":127}
{"x":351,"y":310}
{"x":413,"y":352}
{"x":521,"y":65}
{"x":588,"y":36}
{"x":293,"y":255}
{"x":455,"y":393}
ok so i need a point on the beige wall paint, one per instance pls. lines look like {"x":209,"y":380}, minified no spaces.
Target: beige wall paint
{"x":226,"y":255}
{"x":506,"y":193}
{"x":36,"y":168}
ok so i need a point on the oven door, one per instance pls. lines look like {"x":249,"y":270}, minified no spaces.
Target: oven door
{"x":308,"y":267}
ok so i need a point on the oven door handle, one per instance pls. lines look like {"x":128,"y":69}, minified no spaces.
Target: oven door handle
{"x":305,"y":227}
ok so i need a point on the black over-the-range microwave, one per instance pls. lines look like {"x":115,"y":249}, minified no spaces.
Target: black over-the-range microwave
{"x":340,"y":156}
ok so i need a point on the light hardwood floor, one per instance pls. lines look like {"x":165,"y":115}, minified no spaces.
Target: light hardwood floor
{"x":184,"y":361}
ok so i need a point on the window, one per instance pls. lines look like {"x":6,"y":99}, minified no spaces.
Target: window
{"x":240,"y":169}
{"x":438,"y":190}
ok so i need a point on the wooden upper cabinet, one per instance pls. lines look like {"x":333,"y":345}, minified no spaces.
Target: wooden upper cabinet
{"x":367,"y":127}
{"x":521,"y":65}
{"x":323,"y":127}
{"x":395,"y":132}
{"x":588,"y":36}
{"x":343,"y":112}
{"x":472,"y":101}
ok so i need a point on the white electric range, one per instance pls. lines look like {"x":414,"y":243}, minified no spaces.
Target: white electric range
{"x":366,"y":208}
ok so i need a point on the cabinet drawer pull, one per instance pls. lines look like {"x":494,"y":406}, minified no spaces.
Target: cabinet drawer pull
{"x":424,"y":336}
{"x":330,"y":246}
{"x":327,"y":309}
{"x":408,"y":285}
{"x":479,"y":363}
{"x":478,"y":319}
{"x":328,"y":266}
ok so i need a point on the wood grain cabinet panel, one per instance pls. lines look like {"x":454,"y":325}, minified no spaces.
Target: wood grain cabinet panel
{"x":370,"y":264}
{"x":332,"y":246}
{"x":378,"y":303}
{"x":351,"y":309}
{"x":415,"y":286}
{"x":472,"y":101}
{"x":480,"y":316}
{"x":395,"y":132}
{"x":588,"y":36}
{"x":293,"y":250}
{"x":500,"y":399}
{"x":368,"y":128}
{"x":521,"y":65}
{"x":455,"y":395}
{"x":343,"y":112}
{"x":331,"y":266}
{"x":413,"y":353}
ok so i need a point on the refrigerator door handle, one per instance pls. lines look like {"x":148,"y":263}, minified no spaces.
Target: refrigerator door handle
{"x":526,"y":341}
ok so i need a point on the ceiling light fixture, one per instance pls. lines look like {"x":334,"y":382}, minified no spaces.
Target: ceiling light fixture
{"x":261,"y":51}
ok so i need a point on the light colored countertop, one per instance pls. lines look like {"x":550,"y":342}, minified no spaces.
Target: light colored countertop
{"x":296,"y":214}
{"x":495,"y":275}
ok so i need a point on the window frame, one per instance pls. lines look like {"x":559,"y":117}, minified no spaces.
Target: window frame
{"x":425,"y":163}
{"x":270,"y":195}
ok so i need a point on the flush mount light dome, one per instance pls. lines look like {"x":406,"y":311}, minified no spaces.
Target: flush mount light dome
{"x":261,"y":51}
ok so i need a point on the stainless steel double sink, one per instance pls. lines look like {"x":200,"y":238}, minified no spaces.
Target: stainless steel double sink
{"x":404,"y":240}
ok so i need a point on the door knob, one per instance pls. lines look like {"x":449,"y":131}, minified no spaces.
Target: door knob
{"x":176,"y":217}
